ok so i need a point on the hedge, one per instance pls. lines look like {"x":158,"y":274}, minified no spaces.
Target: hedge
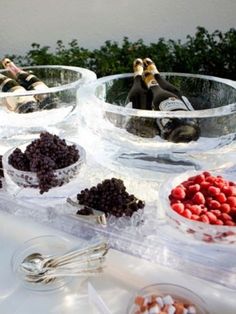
{"x":202,"y":53}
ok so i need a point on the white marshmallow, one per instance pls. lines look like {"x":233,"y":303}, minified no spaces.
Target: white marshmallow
{"x":168,"y":299}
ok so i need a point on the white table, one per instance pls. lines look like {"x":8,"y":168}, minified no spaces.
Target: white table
{"x":123,"y":276}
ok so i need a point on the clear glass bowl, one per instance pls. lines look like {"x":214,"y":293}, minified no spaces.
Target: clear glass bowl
{"x":45,"y":245}
{"x":177,"y":292}
{"x":198,"y":230}
{"x":28,"y":179}
{"x":63,"y":83}
{"x":106,"y":116}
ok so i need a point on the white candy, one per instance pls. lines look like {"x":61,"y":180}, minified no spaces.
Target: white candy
{"x":168,"y":300}
{"x":160,"y":302}
{"x":192,"y":310}
{"x":154,"y":309}
{"x":147,"y":300}
{"x":171,"y":309}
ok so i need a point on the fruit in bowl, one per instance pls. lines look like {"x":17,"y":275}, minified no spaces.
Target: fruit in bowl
{"x":202,"y":204}
{"x":166,"y":298}
{"x":47,"y":162}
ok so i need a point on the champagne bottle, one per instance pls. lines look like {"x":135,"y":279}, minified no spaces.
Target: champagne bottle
{"x":20,"y":104}
{"x":139,"y":94}
{"x":164,"y":84}
{"x":30,"y":82}
{"x":141,"y":98}
{"x":172,"y":129}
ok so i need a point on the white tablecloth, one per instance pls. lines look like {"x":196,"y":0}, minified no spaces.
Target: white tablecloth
{"x":123,"y":276}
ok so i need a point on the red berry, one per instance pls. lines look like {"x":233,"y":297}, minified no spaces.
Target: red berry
{"x":194,"y":188}
{"x":219,"y":182}
{"x":199,"y":198}
{"x":214,"y":204}
{"x":231,"y":200}
{"x":206,"y":174}
{"x":225,"y":208}
{"x":226,"y":189}
{"x":212,"y":190}
{"x":195,"y":209}
{"x":178,"y":193}
{"x":229,"y":223}
{"x":178,"y":207}
{"x":216,"y":212}
{"x":187,"y":213}
{"x":225,"y":217}
{"x":219,"y":222}
{"x":221,"y":198}
{"x":199,"y":178}
{"x":204,"y":219}
{"x":212,"y":217}
{"x":210,"y":179}
{"x":195,"y":217}
{"x":187,"y":183}
{"x":205,"y":185}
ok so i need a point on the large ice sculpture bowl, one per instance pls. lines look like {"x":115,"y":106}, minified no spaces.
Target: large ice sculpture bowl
{"x":127,"y":138}
{"x":57,"y":102}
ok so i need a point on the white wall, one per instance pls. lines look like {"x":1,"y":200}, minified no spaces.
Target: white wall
{"x":91,"y":22}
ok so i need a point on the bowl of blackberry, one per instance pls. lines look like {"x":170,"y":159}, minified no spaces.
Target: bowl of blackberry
{"x":45,"y":163}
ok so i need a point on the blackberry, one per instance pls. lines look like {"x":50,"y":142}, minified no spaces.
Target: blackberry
{"x":111,"y":197}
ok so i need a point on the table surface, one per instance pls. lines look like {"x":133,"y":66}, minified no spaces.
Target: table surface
{"x":123,"y":276}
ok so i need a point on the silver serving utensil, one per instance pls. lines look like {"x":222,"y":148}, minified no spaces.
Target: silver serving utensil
{"x":51,"y":275}
{"x":96,"y":215}
{"x":36,"y":263}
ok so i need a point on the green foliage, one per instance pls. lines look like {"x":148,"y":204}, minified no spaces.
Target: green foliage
{"x":204,"y":53}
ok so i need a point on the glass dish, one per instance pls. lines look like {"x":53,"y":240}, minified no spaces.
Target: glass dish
{"x":177,"y":292}
{"x":27,"y":179}
{"x":46,"y":245}
{"x":63,"y":83}
{"x":106,"y":116}
{"x":199,"y":230}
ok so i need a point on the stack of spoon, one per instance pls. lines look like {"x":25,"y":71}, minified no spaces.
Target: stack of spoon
{"x":39,"y":268}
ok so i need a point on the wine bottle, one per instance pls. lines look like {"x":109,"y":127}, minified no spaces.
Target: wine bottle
{"x":20,"y":104}
{"x":139,"y":94}
{"x":172,"y":129}
{"x":31,"y":82}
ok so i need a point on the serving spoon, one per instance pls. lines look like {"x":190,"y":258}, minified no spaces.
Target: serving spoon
{"x":37,"y":263}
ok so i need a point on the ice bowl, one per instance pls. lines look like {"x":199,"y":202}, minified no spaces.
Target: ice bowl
{"x":63,"y":83}
{"x":210,"y":233}
{"x":179,"y":293}
{"x":28,"y":179}
{"x":127,"y":138}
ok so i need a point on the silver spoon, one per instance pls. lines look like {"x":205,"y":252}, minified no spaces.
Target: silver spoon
{"x":36,"y":263}
{"x":53,"y":275}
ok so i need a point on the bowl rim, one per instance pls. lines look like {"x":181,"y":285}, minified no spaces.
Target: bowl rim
{"x":86,"y":77}
{"x":90,"y":91}
{"x":82,"y":154}
{"x":201,"y":302}
{"x":170,"y":212}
